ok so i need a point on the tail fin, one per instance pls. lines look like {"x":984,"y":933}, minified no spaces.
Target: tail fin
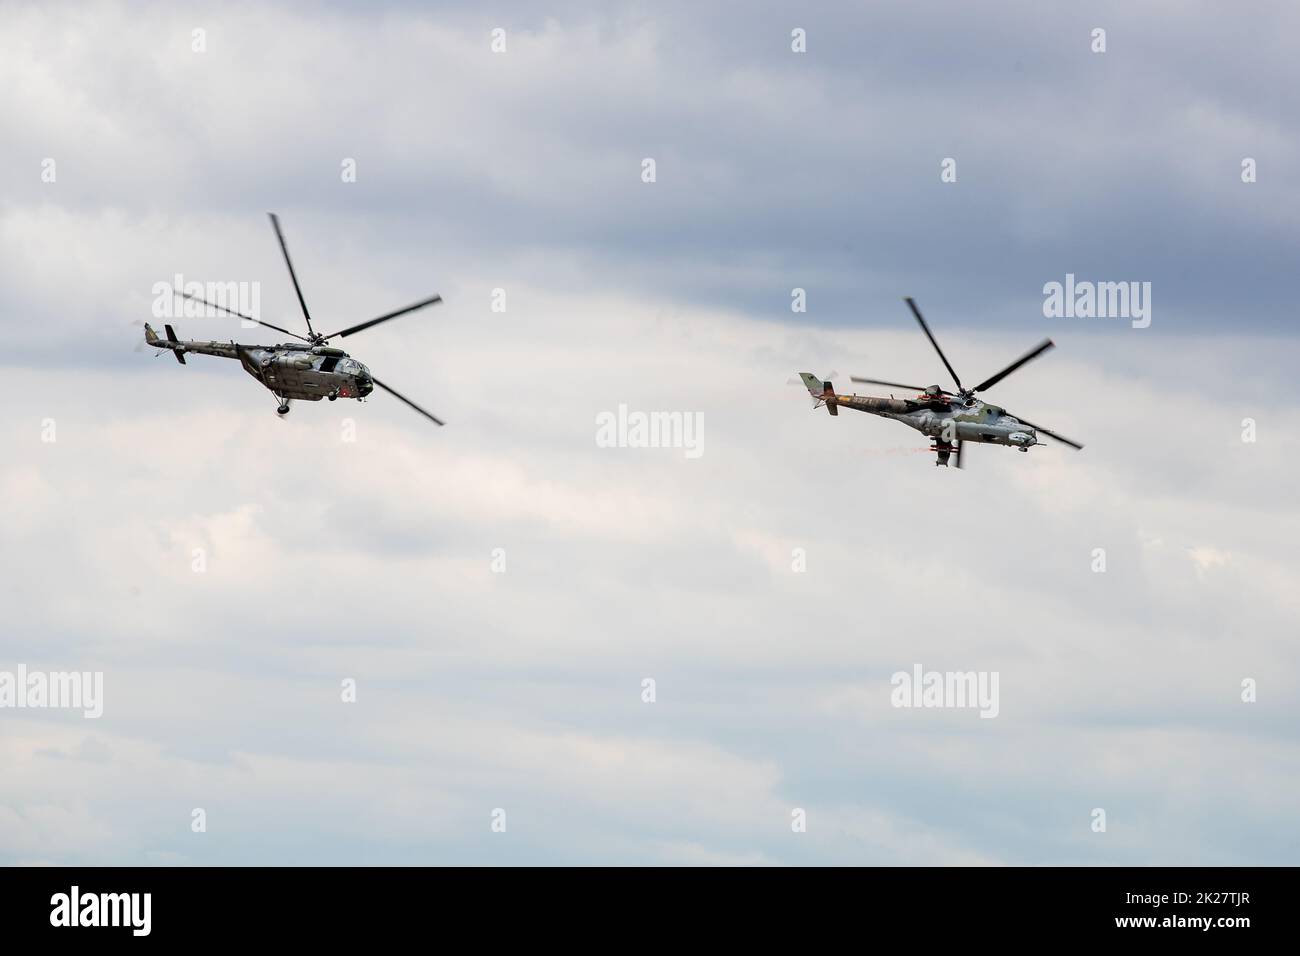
{"x":150,"y":335}
{"x":824,"y":392}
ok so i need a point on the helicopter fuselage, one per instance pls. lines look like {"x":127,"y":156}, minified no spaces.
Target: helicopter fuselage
{"x":950,"y":421}
{"x":302,"y":372}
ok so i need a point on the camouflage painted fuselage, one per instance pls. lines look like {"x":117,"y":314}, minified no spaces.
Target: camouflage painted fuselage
{"x":303,"y":372}
{"x":949,"y":422}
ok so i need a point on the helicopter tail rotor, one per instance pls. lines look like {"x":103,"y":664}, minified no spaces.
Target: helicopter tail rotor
{"x":822,"y":391}
{"x":171,"y":337}
{"x":153,"y":338}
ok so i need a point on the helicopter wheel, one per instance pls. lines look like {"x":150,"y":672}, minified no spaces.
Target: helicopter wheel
{"x":332,"y":396}
{"x":283,"y":409}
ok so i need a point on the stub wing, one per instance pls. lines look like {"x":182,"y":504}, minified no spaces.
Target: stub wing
{"x":942,"y":450}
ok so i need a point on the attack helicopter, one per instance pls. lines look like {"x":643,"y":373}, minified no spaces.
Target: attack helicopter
{"x":306,"y":372}
{"x":950,"y":419}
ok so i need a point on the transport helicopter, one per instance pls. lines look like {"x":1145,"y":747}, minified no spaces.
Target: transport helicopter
{"x":307,"y":372}
{"x":951,"y":419}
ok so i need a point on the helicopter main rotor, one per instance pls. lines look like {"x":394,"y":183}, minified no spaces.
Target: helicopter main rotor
{"x":967,"y":395}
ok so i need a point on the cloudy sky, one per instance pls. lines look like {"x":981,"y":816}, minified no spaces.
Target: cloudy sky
{"x":372,"y":560}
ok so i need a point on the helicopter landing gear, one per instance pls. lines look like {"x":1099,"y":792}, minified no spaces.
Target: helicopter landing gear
{"x":1025,"y":449}
{"x":283,"y":408}
{"x":332,"y":396}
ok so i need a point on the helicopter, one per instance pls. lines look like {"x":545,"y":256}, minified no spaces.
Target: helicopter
{"x":951,"y":419}
{"x":307,"y":372}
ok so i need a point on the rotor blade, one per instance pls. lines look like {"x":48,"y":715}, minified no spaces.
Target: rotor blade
{"x":275,"y":222}
{"x":961,"y":450}
{"x":926,"y":329}
{"x":384,"y":318}
{"x":1029,"y":356}
{"x":1040,"y":428}
{"x":400,"y":397}
{"x":876,"y":381}
{"x":238,"y":315}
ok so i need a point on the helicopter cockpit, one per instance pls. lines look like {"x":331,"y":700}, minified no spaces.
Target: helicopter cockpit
{"x":364,"y":380}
